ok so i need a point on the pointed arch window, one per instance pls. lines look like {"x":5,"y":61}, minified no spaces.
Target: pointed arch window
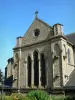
{"x":43,"y":70}
{"x":64,"y":50}
{"x":36,"y":69}
{"x":57,"y":50}
{"x":17,"y":57}
{"x":69,"y":56}
{"x":29,"y":70}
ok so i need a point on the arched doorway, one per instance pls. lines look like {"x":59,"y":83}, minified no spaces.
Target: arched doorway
{"x":36,"y":69}
{"x":43,"y":70}
{"x":29,"y":71}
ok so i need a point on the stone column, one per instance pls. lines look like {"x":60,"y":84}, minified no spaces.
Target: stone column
{"x":19,"y":66}
{"x":26,"y":74}
{"x":18,"y":79}
{"x":39,"y":71}
{"x":32,"y":72}
{"x":46,"y":67}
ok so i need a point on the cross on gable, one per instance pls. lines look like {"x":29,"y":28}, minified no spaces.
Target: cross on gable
{"x":36,"y":13}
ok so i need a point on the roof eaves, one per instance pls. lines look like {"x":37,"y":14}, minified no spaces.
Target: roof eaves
{"x":44,"y":22}
{"x":28,"y":28}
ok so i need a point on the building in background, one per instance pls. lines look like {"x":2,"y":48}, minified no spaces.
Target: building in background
{"x":9,"y":73}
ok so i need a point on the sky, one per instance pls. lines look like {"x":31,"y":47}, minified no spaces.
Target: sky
{"x":17,"y":15}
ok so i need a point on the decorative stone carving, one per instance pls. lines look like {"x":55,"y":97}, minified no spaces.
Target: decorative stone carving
{"x":56,"y":77}
{"x":56,"y":57}
{"x":64,"y":52}
{"x":64,"y":57}
{"x":56,"y":66}
{"x":17,"y":58}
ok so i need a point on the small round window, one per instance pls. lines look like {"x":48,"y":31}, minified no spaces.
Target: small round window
{"x":36,"y":32}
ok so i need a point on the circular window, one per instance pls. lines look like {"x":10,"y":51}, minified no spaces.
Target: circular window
{"x":36,"y":32}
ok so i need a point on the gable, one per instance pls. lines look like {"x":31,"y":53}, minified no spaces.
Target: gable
{"x":45,"y":32}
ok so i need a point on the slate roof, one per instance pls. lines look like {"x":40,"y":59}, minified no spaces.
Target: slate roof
{"x":71,"y":37}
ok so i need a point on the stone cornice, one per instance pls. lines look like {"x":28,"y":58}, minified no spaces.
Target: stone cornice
{"x":30,"y":44}
{"x":44,"y":41}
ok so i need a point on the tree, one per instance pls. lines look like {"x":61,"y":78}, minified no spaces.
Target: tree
{"x":1,"y":75}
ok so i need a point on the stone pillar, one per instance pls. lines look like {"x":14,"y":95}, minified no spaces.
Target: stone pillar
{"x":19,"y":64}
{"x":46,"y":67}
{"x":26,"y":74}
{"x":32,"y":71}
{"x":32,"y":74}
{"x":39,"y":71}
{"x":18,"y":72}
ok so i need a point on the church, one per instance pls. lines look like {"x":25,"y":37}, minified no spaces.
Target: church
{"x":44,"y":58}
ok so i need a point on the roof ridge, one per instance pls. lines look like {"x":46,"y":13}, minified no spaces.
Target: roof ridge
{"x":40,"y":21}
{"x":44,"y":22}
{"x":70,"y":34}
{"x":29,"y":27}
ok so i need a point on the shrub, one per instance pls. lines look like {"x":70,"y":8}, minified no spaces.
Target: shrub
{"x":8,"y":98}
{"x":18,"y":96}
{"x":27,"y":98}
{"x":38,"y":95}
{"x":70,"y":98}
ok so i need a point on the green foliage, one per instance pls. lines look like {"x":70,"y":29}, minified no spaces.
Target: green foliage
{"x":70,"y":98}
{"x":19,"y":96}
{"x":8,"y":98}
{"x":27,"y":98}
{"x":38,"y":95}
{"x":57,"y":97}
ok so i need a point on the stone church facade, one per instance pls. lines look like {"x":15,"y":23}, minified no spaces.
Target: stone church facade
{"x":43,"y":58}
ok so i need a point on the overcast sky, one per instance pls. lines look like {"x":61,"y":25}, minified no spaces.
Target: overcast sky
{"x":17,"y":15}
